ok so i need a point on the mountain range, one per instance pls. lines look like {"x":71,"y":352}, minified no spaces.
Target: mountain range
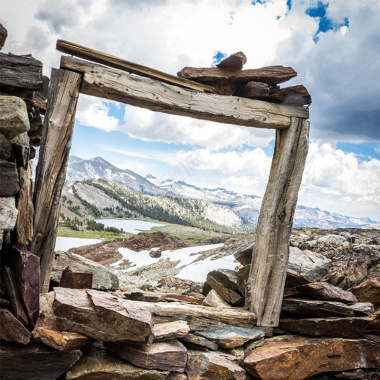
{"x":247,"y":207}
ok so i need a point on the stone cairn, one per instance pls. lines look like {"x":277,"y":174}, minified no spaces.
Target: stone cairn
{"x":105,"y":333}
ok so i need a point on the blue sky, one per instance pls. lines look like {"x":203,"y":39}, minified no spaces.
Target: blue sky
{"x":333,"y":45}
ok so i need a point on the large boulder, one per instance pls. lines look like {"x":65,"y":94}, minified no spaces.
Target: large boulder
{"x":103,"y":278}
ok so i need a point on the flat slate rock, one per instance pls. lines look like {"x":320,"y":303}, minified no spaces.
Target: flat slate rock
{"x":102,"y":316}
{"x":212,"y":366}
{"x":229,"y":295}
{"x":48,"y":328}
{"x":323,"y":309}
{"x":326,"y":291}
{"x":226,"y":277}
{"x":26,"y":268}
{"x":200,"y":341}
{"x":271,"y":75}
{"x":338,"y":327}
{"x":9,"y":184}
{"x":34,"y":362}
{"x":213,"y":299}
{"x":244,"y":253}
{"x":295,"y":357}
{"x":103,"y":278}
{"x":12,"y":330}
{"x":97,"y":363}
{"x":166,"y":356}
{"x":141,"y":295}
{"x":230,"y":336}
{"x":170,"y":330}
{"x":174,"y":297}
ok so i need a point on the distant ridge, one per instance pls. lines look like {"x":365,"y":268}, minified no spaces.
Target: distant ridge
{"x":245,"y":206}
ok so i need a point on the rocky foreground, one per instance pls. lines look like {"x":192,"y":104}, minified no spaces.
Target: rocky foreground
{"x":329,"y":327}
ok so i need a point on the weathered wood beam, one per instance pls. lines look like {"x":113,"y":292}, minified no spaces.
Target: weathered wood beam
{"x":122,"y":64}
{"x":266,"y":281}
{"x":157,"y":96}
{"x":52,"y":165}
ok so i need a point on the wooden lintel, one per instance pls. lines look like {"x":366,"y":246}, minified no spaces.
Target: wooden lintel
{"x":131,"y":67}
{"x":147,"y":93}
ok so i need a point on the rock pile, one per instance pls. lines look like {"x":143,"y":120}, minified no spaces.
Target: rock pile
{"x":22,"y":102}
{"x":144,"y":334}
{"x":228,"y":78}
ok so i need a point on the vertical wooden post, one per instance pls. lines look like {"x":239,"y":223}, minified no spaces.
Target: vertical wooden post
{"x":270,"y":258}
{"x":52,"y":166}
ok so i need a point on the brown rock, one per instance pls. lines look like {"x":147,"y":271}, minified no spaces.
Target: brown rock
{"x":368,"y":291}
{"x":48,"y":326}
{"x":254,"y":90}
{"x":14,"y":296}
{"x":99,"y":364}
{"x":206,"y":288}
{"x":166,"y":356}
{"x":26,"y":268}
{"x":290,"y":292}
{"x":170,"y":330}
{"x":294,"y":95}
{"x":34,"y":362}
{"x":231,"y":336}
{"x":234,"y":61}
{"x":182,"y":298}
{"x":5,"y":148}
{"x":24,"y":223}
{"x":155,"y":253}
{"x":141,"y":295}
{"x":100,"y":315}
{"x":271,"y":75}
{"x":3,"y":35}
{"x":375,"y":324}
{"x":339,"y":327}
{"x":213,"y":299}
{"x":244,"y":254}
{"x":9,"y":184}
{"x":75,"y":280}
{"x":12,"y":330}
{"x":212,"y":366}
{"x":200,"y":343}
{"x":326,"y":291}
{"x":177,"y":376}
{"x":296,"y":357}
{"x":226,"y":277}
{"x":322,"y":309}
{"x":238,"y":352}
{"x":227,"y":294}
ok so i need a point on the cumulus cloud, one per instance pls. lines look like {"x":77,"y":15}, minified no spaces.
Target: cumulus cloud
{"x":153,"y":126}
{"x":92,"y":112}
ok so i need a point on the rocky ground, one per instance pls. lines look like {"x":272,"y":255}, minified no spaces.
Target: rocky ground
{"x":176,"y":329}
{"x":354,"y":253}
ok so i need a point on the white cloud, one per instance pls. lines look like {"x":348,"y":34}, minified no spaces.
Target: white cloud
{"x":92,"y":112}
{"x":153,"y":126}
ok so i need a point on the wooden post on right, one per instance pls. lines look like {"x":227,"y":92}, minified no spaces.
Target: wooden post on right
{"x":270,"y":257}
